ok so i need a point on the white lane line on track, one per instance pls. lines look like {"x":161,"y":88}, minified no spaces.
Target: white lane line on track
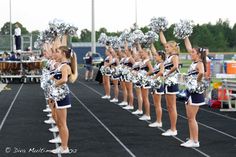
{"x":9,"y":109}
{"x":104,"y":126}
{"x":199,"y":151}
{"x":207,"y":126}
{"x":218,"y":114}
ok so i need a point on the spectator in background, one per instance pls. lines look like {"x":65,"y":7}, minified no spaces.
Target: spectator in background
{"x":89,"y":66}
{"x":12,"y":56}
{"x":17,"y":37}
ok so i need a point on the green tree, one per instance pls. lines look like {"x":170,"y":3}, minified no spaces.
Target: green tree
{"x":5,"y":30}
{"x":85,"y":35}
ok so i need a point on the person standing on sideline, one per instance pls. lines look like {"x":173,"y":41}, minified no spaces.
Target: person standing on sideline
{"x":89,"y":66}
{"x":17,"y":37}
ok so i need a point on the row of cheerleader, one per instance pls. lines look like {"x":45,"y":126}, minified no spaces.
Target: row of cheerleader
{"x":136,"y":65}
{"x":59,"y":68}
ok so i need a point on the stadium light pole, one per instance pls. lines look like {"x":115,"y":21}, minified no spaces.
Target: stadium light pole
{"x":136,"y":14}
{"x":11,"y":43}
{"x":93,"y":35}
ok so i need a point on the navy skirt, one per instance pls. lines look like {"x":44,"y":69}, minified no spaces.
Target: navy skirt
{"x":173,"y":89}
{"x":195,"y":99}
{"x":64,"y":103}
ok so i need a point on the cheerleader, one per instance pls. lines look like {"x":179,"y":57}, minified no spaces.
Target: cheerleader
{"x":107,"y":74}
{"x":147,"y":68}
{"x":157,"y":93}
{"x":171,"y":88}
{"x":114,"y":77}
{"x":122,"y":56}
{"x":194,"y":98}
{"x":135,"y":71}
{"x":128,"y":62}
{"x":63,"y":73}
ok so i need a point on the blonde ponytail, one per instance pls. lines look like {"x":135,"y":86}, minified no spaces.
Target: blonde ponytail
{"x":74,"y":69}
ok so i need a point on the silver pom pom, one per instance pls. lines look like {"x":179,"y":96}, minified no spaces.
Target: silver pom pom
{"x":158,"y":24}
{"x":149,"y":38}
{"x":136,"y":36}
{"x":124,"y":35}
{"x":102,"y":39}
{"x":114,"y":42}
{"x":183,"y":29}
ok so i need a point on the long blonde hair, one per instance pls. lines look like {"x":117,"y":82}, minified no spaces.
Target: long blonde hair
{"x":73,"y":58}
{"x":174,"y":45}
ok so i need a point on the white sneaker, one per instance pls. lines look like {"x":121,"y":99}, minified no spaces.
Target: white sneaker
{"x":169,"y":133}
{"x":123,"y":103}
{"x":190,"y":143}
{"x":54,"y":129}
{"x":106,"y":97}
{"x":55,"y":140}
{"x":47,"y":110}
{"x":145,"y":117}
{"x":128,"y":107}
{"x":50,"y":121}
{"x":137,"y":112}
{"x":114,"y":100}
{"x":60,"y":150}
{"x":155,"y":124}
{"x":49,"y":115}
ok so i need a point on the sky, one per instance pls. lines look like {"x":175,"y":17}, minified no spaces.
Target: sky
{"x":115,"y":15}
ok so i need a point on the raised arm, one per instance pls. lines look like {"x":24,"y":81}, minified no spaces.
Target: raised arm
{"x":188,"y":45}
{"x":162,"y":38}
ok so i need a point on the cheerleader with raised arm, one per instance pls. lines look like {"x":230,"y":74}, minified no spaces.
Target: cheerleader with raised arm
{"x":170,"y":86}
{"x":195,"y":97}
{"x":137,"y":84}
{"x":114,"y":75}
{"x":128,"y":63}
{"x":62,"y":75}
{"x":147,"y":69}
{"x":158,"y":91}
{"x":106,"y":73}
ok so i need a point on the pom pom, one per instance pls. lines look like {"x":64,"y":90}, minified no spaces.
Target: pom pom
{"x":102,"y":39}
{"x":124,"y":35}
{"x":149,"y":38}
{"x":136,"y":36}
{"x":158,"y":24}
{"x":183,"y":29}
{"x":114,"y":42}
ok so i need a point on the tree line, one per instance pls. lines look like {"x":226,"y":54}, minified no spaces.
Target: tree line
{"x":219,"y":37}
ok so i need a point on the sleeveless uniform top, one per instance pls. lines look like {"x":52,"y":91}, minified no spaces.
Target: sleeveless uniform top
{"x":113,"y":62}
{"x":144,"y":66}
{"x":156,"y":68}
{"x":127,"y":62}
{"x":192,"y":71}
{"x":136,"y":65}
{"x":107,"y":59}
{"x":57,"y":72}
{"x":122,"y":61}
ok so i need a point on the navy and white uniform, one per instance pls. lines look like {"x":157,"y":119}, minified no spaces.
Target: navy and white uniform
{"x":156,"y":70}
{"x":64,"y":103}
{"x":113,"y":65}
{"x":107,"y":60}
{"x":195,"y":99}
{"x":122,"y":63}
{"x":174,"y":88}
{"x":145,"y":68}
{"x":136,"y":68}
{"x":129,"y":65}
